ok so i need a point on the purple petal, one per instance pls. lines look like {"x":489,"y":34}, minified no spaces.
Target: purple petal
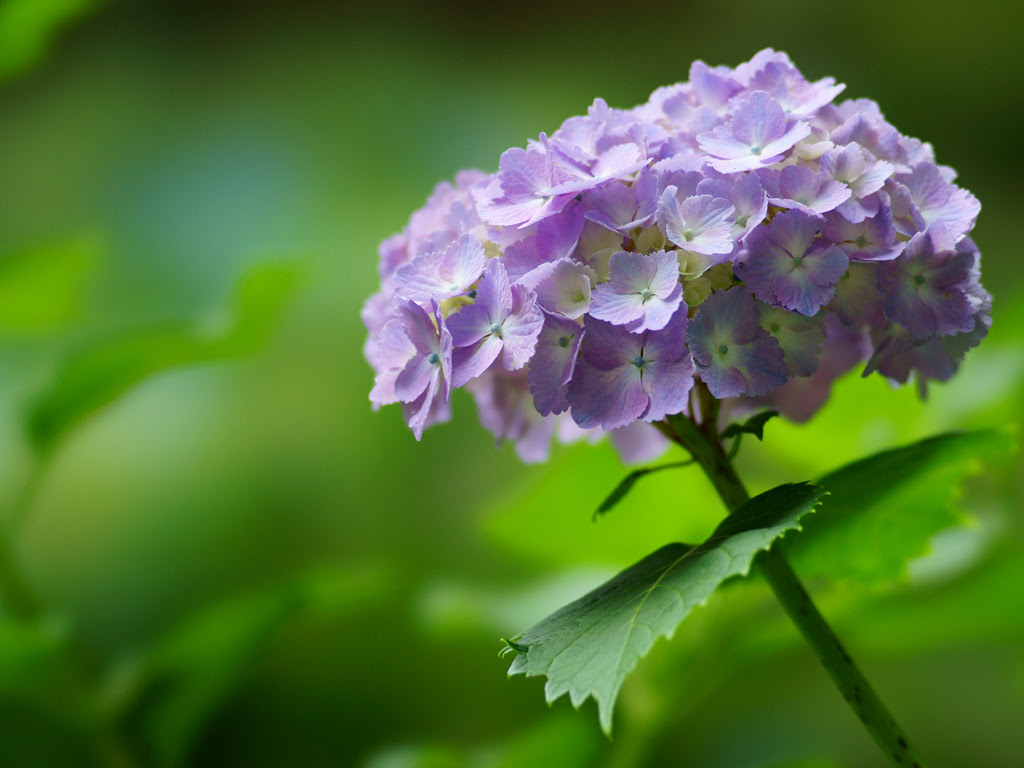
{"x":553,"y":363}
{"x":606,"y":398}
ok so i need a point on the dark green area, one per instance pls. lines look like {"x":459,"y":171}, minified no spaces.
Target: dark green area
{"x":263,"y":572}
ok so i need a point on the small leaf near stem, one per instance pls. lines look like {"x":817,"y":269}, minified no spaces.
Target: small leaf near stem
{"x":627,"y":483}
{"x":752,"y":426}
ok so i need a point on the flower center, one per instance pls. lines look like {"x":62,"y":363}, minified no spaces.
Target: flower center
{"x":862,"y":241}
{"x":496,"y":329}
{"x":688,"y":234}
{"x":433,"y":359}
{"x":645,"y":294}
{"x":919,"y":279}
{"x":798,"y":261}
{"x":639,"y":362}
{"x":723,"y":349}
{"x":773,"y":328}
{"x":756,"y":149}
{"x":563,"y":341}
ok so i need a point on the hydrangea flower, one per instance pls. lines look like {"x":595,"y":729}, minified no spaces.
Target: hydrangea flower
{"x":643,"y":291}
{"x":622,"y":376}
{"x":742,"y":232}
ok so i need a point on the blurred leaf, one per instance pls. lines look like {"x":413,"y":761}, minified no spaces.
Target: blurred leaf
{"x":31,"y":656}
{"x":27,"y":28}
{"x":883,"y":510}
{"x":588,"y":647}
{"x":189,"y":675}
{"x":558,"y":740}
{"x":566,"y":742}
{"x":96,"y":375}
{"x":41,"y":288}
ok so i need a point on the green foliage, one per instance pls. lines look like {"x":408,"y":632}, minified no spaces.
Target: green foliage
{"x":27,"y":28}
{"x":32,"y":657}
{"x":97,"y":374}
{"x":566,"y":742}
{"x":588,"y":647}
{"x":626,"y":485}
{"x":184,"y":680}
{"x":41,"y":288}
{"x":883,"y":510}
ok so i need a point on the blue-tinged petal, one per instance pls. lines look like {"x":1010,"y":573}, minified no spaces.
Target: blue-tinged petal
{"x":606,"y":398}
{"x":553,"y":363}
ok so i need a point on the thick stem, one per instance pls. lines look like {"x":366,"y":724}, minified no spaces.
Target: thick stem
{"x":705,"y":446}
{"x":848,"y":678}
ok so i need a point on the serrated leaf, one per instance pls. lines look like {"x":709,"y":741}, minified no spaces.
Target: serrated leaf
{"x":752,"y":426}
{"x":99,"y":373}
{"x":883,"y":510}
{"x":587,"y":648}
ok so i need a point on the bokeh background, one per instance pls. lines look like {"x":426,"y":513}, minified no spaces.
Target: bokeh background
{"x":247,"y":567}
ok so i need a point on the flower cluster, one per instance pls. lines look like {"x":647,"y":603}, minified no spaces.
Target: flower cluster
{"x":740,"y":228}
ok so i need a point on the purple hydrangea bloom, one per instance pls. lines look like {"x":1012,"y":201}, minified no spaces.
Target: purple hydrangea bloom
{"x":415,"y":354}
{"x":527,"y":258}
{"x":783,"y":82}
{"x":872,"y":239}
{"x":506,"y":411}
{"x":939,"y":201}
{"x":733,"y":354}
{"x":800,"y":337}
{"x":644,"y":291}
{"x":858,"y":169}
{"x":927,"y":289}
{"x":857,"y":299}
{"x":699,"y":223}
{"x":565,"y":288}
{"x":803,"y":236}
{"x":623,"y":207}
{"x":504,"y":320}
{"x":757,"y":135}
{"x":442,"y":274}
{"x":622,"y":377}
{"x":784,"y":268}
{"x":553,"y":363}
{"x":797,"y":186}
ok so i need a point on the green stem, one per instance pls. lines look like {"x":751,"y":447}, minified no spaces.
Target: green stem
{"x":703,"y":443}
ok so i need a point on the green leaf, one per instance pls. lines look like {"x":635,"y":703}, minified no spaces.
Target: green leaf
{"x":883,"y":510}
{"x":626,"y":485}
{"x":41,"y":288}
{"x":32,"y":656}
{"x":27,"y":28}
{"x":588,"y":647}
{"x":752,"y":426}
{"x":96,"y":375}
{"x":191,"y":673}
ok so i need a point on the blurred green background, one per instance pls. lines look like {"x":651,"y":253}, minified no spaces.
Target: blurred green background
{"x":248,"y":567}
